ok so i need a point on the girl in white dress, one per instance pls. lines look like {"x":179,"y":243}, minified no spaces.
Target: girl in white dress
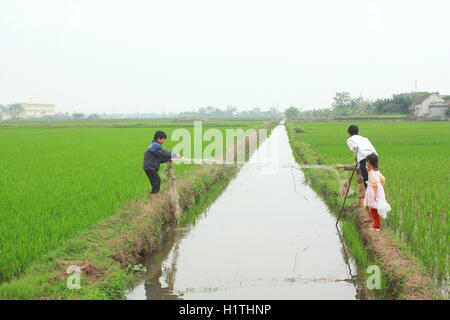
{"x":375,"y":199}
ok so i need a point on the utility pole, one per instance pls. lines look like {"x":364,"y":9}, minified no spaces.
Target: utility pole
{"x":415,"y":82}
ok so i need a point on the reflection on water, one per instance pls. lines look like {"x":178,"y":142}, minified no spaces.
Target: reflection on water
{"x":268,"y":236}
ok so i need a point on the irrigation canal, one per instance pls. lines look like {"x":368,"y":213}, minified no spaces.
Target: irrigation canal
{"x":267,"y":236}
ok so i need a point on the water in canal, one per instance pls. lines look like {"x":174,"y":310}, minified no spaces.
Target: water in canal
{"x":267,"y":236}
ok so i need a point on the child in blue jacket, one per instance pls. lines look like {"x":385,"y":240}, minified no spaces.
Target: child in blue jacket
{"x":153,"y":157}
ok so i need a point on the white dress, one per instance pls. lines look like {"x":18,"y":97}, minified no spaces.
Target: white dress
{"x":378,"y":200}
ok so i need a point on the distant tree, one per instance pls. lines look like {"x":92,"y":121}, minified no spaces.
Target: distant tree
{"x":230,"y":111}
{"x":93,"y":116}
{"x":399,"y":103}
{"x":359,"y":106}
{"x":292,"y":113}
{"x":78,"y":115}
{"x":342,"y":102}
{"x":255,"y":113}
{"x":344,"y":105}
{"x":402,"y":103}
{"x":273,"y":112}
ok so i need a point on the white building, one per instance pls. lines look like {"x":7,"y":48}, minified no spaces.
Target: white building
{"x":5,"y":115}
{"x":35,"y":110}
{"x":428,"y":106}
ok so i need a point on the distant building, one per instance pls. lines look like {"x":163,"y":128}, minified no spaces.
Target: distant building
{"x":5,"y":115}
{"x":429,"y":106}
{"x":34,"y":110}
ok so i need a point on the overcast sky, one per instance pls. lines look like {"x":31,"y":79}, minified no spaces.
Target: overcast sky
{"x":166,"y":55}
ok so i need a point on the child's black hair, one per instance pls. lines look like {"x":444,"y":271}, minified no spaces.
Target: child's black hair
{"x":160,"y":135}
{"x":373,"y":160}
{"x":353,"y":130}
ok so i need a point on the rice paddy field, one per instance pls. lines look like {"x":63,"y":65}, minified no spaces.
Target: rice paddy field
{"x":414,"y":158}
{"x":56,"y":183}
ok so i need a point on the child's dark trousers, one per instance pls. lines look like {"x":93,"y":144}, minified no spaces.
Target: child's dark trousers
{"x":155,"y":180}
{"x":364,"y":173}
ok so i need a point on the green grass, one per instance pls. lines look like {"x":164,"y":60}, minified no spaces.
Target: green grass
{"x":414,"y":158}
{"x":57,"y":183}
{"x":132,"y":123}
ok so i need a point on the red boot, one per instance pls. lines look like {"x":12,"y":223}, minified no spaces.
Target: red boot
{"x":376,"y":218}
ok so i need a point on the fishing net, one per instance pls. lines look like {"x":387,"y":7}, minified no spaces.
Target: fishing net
{"x":174,"y":197}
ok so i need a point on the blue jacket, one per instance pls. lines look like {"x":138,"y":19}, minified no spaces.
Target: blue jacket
{"x":155,"y":155}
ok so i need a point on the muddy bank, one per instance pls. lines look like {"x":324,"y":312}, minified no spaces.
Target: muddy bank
{"x":133,"y":245}
{"x":407,"y":279}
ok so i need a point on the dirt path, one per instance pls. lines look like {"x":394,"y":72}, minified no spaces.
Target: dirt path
{"x":412,"y":281}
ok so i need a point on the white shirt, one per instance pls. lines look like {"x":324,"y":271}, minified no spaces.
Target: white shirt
{"x":361,"y":146}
